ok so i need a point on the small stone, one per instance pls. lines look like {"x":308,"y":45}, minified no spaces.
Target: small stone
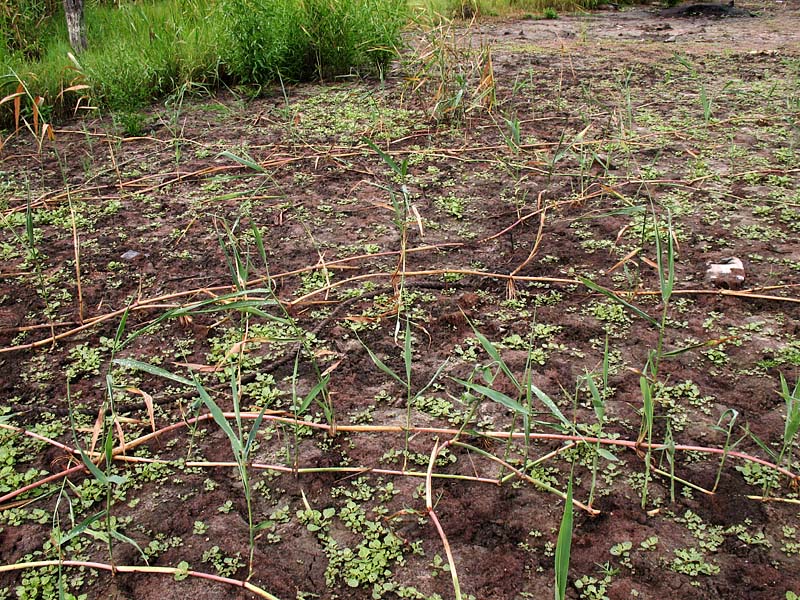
{"x":726,"y":274}
{"x":131,"y":255}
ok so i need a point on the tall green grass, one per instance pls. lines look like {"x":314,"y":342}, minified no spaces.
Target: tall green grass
{"x":137,"y":53}
{"x":308,"y":39}
{"x":21,"y":22}
{"x":142,"y":51}
{"x":467,"y":9}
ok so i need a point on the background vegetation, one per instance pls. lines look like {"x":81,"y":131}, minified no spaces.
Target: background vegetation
{"x":142,"y":51}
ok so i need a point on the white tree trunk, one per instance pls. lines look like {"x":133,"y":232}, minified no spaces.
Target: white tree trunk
{"x":73,"y":10}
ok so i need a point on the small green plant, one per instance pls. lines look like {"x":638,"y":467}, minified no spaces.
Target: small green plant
{"x":705,"y":103}
{"x":452,"y":204}
{"x":224,"y":565}
{"x":791,"y":396}
{"x":199,"y":528}
{"x":622,"y":551}
{"x":649,"y":544}
{"x":592,"y":588}
{"x":550,"y":13}
{"x":691,"y":562}
{"x":131,"y":123}
{"x":85,"y":362}
{"x":242,"y":443}
{"x":599,"y":405}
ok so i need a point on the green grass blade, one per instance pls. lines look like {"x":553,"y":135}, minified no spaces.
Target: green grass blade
{"x":407,"y":356}
{"x":152,"y":369}
{"x":126,"y":540}
{"x":666,"y":283}
{"x":615,"y":298}
{"x":235,"y":398}
{"x":792,"y":399}
{"x":312,"y":395}
{"x":225,"y":302}
{"x":551,"y":406}
{"x":244,"y":160}
{"x":29,"y":224}
{"x":763,"y":445}
{"x":249,"y":306}
{"x":79,"y":528}
{"x":647,"y":402}
{"x":685,"y":349}
{"x":386,"y":158}
{"x":434,"y":377}
{"x":251,"y":438}
{"x":627,"y":211}
{"x":607,"y":455}
{"x":563,"y":547}
{"x":381,"y":365}
{"x":93,"y":468}
{"x":492,"y":351}
{"x":219,"y":419}
{"x":262,"y":253}
{"x":495,"y":396}
{"x":121,"y":327}
{"x":597,"y":399}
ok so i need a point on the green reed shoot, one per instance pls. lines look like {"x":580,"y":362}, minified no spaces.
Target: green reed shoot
{"x":523,"y":388}
{"x":527,"y":391}
{"x":792,"y":422}
{"x":407,"y":382}
{"x":614,"y":297}
{"x":241,"y":441}
{"x":238,"y":264}
{"x":513,"y":138}
{"x":564,"y":149}
{"x":402,"y":212}
{"x":648,"y":380}
{"x":666,"y":281}
{"x":791,"y":397}
{"x":248,"y":303}
{"x":319,"y":394}
{"x":669,"y":454}
{"x":648,"y":388}
{"x":599,"y":406}
{"x":705,"y":103}
{"x":563,"y":547}
{"x":627,"y":97}
{"x":730,"y":416}
{"x":104,"y":477}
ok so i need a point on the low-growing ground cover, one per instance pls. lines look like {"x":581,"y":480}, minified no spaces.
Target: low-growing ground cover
{"x":364,"y":340}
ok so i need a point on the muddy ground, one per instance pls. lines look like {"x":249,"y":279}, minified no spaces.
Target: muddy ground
{"x":261,"y":239}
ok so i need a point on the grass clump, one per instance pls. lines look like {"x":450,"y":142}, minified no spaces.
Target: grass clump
{"x":139,"y":52}
{"x":20,"y":23}
{"x":313,"y":39}
{"x":468,"y":9}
